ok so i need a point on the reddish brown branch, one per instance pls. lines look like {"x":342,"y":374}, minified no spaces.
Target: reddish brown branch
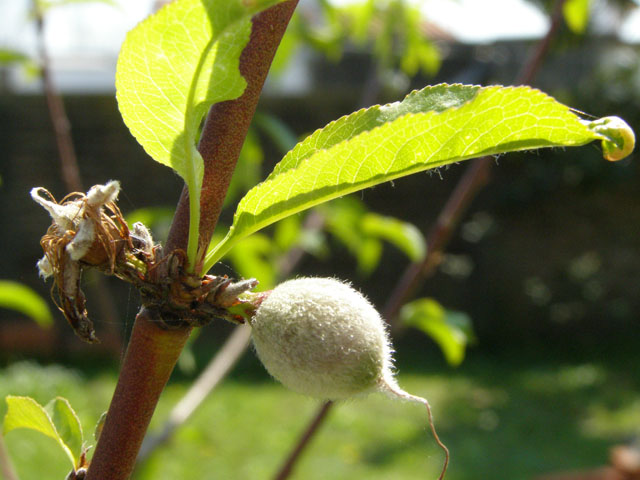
{"x":151,"y":356}
{"x":152,"y":351}
{"x":226,"y":128}
{"x":476,"y":176}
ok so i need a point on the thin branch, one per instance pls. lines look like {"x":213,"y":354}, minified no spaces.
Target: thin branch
{"x":153,"y":351}
{"x":476,"y":176}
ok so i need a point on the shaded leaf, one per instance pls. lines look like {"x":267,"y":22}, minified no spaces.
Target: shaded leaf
{"x":19,"y":297}
{"x":404,"y":235}
{"x":67,"y":425}
{"x":25,"y":412}
{"x":450,"y":330}
{"x":252,"y":258}
{"x":278,"y":131}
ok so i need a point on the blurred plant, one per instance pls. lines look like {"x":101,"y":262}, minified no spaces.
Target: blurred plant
{"x":395,"y":32}
{"x":19,"y":297}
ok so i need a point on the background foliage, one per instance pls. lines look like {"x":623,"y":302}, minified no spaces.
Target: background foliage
{"x":546,"y":266}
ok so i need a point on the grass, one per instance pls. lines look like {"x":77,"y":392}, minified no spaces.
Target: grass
{"x":502,"y":418}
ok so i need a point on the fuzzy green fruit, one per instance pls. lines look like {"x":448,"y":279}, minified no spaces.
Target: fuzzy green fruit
{"x":322,"y":338}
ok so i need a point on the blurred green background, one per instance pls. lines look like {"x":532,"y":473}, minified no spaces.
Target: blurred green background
{"x":546,"y":262}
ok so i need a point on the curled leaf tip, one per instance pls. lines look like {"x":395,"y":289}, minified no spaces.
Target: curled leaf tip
{"x":618,"y":139}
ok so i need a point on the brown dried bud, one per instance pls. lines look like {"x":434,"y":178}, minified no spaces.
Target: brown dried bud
{"x":87,"y":230}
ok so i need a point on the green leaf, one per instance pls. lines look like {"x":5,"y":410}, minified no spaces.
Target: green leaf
{"x":343,"y":221}
{"x":97,"y":431}
{"x":25,"y":412}
{"x":432,"y":127}
{"x":576,"y":14}
{"x":282,"y":136}
{"x":171,"y":69}
{"x":19,"y":297}
{"x":253,"y":259}
{"x":287,"y":233}
{"x":450,"y":330}
{"x":67,"y":424}
{"x":8,"y":56}
{"x":403,"y":235}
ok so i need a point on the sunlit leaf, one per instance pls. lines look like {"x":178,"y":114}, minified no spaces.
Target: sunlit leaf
{"x":576,"y":14}
{"x":25,"y":412}
{"x":19,"y":297}
{"x":431,"y":127}
{"x":171,"y":69}
{"x":67,"y":424}
{"x":450,"y":330}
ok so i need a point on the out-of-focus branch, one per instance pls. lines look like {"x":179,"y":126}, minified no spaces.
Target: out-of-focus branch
{"x":58,"y":114}
{"x":476,"y":176}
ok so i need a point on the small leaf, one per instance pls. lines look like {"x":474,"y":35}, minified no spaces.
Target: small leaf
{"x":67,"y":425}
{"x":450,"y":330}
{"x":403,"y":235}
{"x":25,"y":412}
{"x":19,"y":297}
{"x":97,"y":431}
{"x":432,"y":127}
{"x":171,"y":69}
{"x":157,"y":219}
{"x":576,"y":14}
{"x":620,"y":139}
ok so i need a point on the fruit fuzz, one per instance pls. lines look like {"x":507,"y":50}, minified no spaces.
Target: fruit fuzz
{"x":322,"y":338}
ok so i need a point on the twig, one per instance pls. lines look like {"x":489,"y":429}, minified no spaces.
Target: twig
{"x":473,"y":180}
{"x":6,"y":465}
{"x":152,"y":351}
